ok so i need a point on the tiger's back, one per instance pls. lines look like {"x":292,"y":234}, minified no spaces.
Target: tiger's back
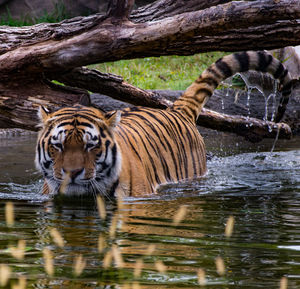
{"x":158,"y":146}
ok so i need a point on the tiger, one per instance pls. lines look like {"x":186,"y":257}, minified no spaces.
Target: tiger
{"x":134,"y":151}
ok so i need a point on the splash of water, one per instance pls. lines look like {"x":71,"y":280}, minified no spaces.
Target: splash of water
{"x":265,"y":86}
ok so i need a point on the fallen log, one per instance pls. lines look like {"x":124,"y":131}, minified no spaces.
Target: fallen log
{"x":114,"y":86}
{"x":21,"y":110}
{"x":18,"y":107}
{"x":252,"y":129}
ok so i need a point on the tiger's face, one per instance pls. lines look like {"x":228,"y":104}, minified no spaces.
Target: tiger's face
{"x":76,"y":150}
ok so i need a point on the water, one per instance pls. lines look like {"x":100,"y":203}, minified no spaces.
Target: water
{"x":258,"y":85}
{"x":266,"y":86}
{"x":260,"y":189}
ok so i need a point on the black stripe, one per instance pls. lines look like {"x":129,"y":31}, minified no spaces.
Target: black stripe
{"x":188,"y":112}
{"x":205,"y":91}
{"x":175,"y":135}
{"x":113,"y":187}
{"x":107,"y":144}
{"x":193,"y":107}
{"x":114,"y":154}
{"x":83,"y":123}
{"x":189,"y":139}
{"x":48,"y":131}
{"x":178,"y":121}
{"x":44,"y":147}
{"x":224,"y":67}
{"x":102,"y":134}
{"x":279,"y":71}
{"x":191,"y":100}
{"x":214,"y":72}
{"x":285,"y":72}
{"x":170,"y":135}
{"x":47,"y":164}
{"x":72,"y":111}
{"x":209,"y":80}
{"x":243,"y":59}
{"x":286,"y":90}
{"x":146,"y":148}
{"x":124,"y":135}
{"x":160,"y":136}
{"x":151,"y":125}
{"x":73,"y":119}
{"x":191,"y":142}
{"x":65,"y":123}
{"x":39,"y":151}
{"x":264,"y":61}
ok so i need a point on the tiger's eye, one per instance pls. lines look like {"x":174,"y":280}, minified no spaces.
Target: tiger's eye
{"x":58,"y":146}
{"x":89,"y":146}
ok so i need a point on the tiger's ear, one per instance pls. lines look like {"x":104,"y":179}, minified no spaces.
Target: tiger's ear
{"x":113,"y":118}
{"x":43,"y":113}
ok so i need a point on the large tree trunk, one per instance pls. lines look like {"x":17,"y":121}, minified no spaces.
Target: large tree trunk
{"x":30,"y":56}
{"x":81,"y":41}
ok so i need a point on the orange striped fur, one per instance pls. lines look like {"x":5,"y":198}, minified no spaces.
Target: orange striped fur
{"x":81,"y":150}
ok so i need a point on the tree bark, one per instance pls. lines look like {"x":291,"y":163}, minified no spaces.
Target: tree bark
{"x":114,"y":86}
{"x":252,"y":129}
{"x":119,"y":10}
{"x":18,"y":106}
{"x":167,"y":8}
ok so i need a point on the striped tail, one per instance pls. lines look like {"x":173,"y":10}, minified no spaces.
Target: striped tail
{"x":196,"y":95}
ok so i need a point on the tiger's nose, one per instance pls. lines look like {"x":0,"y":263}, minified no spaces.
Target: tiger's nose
{"x":73,"y":173}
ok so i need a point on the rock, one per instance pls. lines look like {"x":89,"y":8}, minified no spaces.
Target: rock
{"x":290,"y":57}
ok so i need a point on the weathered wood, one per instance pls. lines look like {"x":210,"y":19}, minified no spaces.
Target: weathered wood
{"x":20,"y":110}
{"x":251,"y":128}
{"x":111,"y":85}
{"x":18,"y":106}
{"x":167,"y":8}
{"x":119,"y":10}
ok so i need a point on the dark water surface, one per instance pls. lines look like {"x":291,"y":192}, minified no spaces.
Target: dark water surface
{"x":260,"y":189}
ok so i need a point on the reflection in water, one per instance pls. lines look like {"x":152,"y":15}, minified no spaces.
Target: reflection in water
{"x":261,"y":191}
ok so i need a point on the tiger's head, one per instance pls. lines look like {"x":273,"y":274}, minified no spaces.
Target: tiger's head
{"x":76,"y":150}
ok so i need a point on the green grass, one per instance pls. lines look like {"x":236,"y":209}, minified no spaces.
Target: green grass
{"x":59,"y":13}
{"x":165,"y":72}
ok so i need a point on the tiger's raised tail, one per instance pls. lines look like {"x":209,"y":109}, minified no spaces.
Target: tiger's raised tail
{"x":196,"y":95}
